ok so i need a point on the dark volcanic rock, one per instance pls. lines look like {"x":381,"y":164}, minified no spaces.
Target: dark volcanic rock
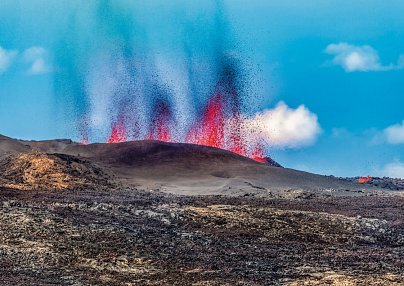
{"x":394,"y":184}
{"x":271,"y":226}
{"x":144,"y":238}
{"x":272,"y":162}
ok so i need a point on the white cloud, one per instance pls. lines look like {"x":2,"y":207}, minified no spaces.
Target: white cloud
{"x":393,"y":170}
{"x":6,"y":59}
{"x":36,"y":56}
{"x":287,"y":127}
{"x":394,"y":134}
{"x":359,"y":58}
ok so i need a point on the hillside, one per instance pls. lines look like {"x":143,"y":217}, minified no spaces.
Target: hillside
{"x":190,"y":169}
{"x":154,"y":213}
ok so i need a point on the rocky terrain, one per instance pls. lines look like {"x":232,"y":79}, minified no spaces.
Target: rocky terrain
{"x":151,"y":213}
{"x":383,"y":183}
{"x":40,"y":171}
{"x":149,"y":238}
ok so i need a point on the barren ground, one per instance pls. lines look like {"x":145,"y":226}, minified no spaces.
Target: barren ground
{"x":153,"y":213}
{"x":133,"y":237}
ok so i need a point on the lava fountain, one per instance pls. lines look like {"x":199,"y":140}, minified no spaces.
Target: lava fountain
{"x":209,"y":129}
{"x":118,"y":131}
{"x":183,"y":89}
{"x":162,"y":123}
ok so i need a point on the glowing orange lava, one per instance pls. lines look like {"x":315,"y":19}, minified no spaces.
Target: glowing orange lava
{"x":84,"y":141}
{"x":118,"y":132}
{"x":209,"y":130}
{"x":258,"y":154}
{"x":220,"y":125}
{"x":364,"y":180}
{"x":161,"y":123}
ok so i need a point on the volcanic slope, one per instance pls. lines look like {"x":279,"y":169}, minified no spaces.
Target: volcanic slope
{"x":41,"y":171}
{"x":10,"y":146}
{"x":188,"y":169}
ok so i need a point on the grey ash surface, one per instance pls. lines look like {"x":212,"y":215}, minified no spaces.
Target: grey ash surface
{"x":132,"y":237}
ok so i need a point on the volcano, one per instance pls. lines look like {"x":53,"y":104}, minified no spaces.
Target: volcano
{"x":180,"y":168}
{"x":162,"y":213}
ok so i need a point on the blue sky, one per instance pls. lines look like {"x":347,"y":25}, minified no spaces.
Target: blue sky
{"x":342,"y":60}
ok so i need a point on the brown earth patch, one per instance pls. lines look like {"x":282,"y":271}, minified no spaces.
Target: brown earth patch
{"x":39,"y":170}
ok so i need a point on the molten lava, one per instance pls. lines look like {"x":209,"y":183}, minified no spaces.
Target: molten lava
{"x":215,"y":123}
{"x":161,"y":123}
{"x":237,"y":142}
{"x":258,"y":154}
{"x":118,"y":132}
{"x":84,"y":140}
{"x":364,"y":180}
{"x":209,"y":130}
{"x":219,"y":125}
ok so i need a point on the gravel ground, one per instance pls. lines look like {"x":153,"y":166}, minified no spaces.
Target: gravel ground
{"x":131,"y":237}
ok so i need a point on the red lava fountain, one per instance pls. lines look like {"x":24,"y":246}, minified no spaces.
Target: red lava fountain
{"x":237,"y":144}
{"x":215,"y":125}
{"x":118,"y":132}
{"x":209,"y":129}
{"x":220,"y":124}
{"x":258,"y":154}
{"x":161,"y":123}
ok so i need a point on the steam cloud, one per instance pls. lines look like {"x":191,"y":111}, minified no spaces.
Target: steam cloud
{"x":287,"y":127}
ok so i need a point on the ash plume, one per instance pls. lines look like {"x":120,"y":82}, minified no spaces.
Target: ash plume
{"x":118,"y":81}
